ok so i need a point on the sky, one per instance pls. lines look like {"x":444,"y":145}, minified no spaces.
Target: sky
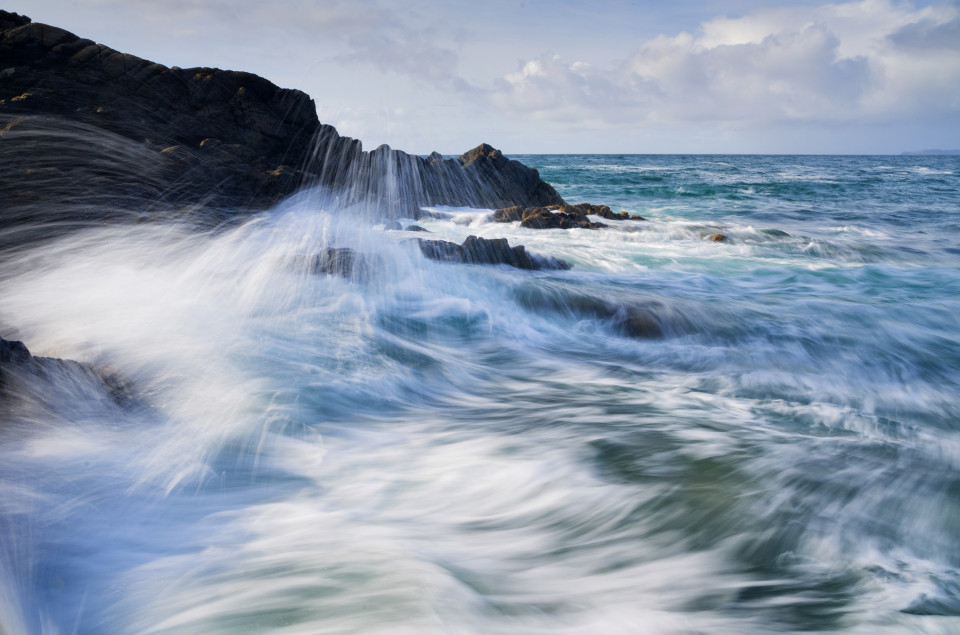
{"x":574,"y":76}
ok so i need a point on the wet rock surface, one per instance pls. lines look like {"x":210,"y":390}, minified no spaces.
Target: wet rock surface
{"x":634,"y":318}
{"x":344,"y":262}
{"x":483,"y":251}
{"x":30,"y":383}
{"x":562,"y":216}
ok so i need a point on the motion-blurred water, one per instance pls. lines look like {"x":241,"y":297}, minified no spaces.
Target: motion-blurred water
{"x":424,"y":447}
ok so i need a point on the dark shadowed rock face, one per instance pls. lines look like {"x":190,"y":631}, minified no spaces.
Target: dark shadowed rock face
{"x":636,"y":318}
{"x":561,"y":216}
{"x":29,"y":384}
{"x":484,"y":251}
{"x":545,"y":218}
{"x":12,"y":352}
{"x":233,"y":134}
{"x":203,"y":137}
{"x":344,"y":262}
{"x":398,"y":184}
{"x":510,"y":182}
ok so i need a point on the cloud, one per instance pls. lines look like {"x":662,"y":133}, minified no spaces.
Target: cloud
{"x":403,"y":51}
{"x":357,"y":32}
{"x":928,"y":34}
{"x":856,"y":61}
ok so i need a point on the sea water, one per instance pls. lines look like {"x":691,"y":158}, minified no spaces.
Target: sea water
{"x":422,"y":447}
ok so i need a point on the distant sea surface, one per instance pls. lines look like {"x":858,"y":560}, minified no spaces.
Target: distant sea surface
{"x":680,"y":434}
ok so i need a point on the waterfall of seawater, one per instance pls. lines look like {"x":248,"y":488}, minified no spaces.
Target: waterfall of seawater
{"x":401,"y":445}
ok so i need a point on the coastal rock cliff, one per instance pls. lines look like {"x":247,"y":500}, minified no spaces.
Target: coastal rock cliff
{"x":108,"y":127}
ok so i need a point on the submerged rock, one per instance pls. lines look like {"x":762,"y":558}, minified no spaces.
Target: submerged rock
{"x":718,"y":238}
{"x":483,"y":251}
{"x":28,"y":383}
{"x":635,"y":318}
{"x":331,"y":261}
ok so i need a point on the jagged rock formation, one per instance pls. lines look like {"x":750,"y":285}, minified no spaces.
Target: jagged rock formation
{"x":30,"y":384}
{"x":560,"y":216}
{"x":110,"y":129}
{"x":401,"y":183}
{"x":488,"y":251}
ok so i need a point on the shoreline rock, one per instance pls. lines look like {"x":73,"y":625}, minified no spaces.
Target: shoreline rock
{"x":201,"y":138}
{"x":28,"y":382}
{"x":560,"y":216}
{"x":493,"y":251}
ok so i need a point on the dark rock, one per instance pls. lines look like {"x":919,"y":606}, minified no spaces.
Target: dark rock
{"x":12,"y":20}
{"x":85,"y":127}
{"x":495,"y":251}
{"x":595,"y":210}
{"x":510,"y":182}
{"x":559,"y":216}
{"x":416,"y":228}
{"x":587,"y":208}
{"x":12,"y":352}
{"x":508,"y":214}
{"x":638,"y":319}
{"x":542,"y":218}
{"x":199,"y":138}
{"x":30,"y":382}
{"x":483,"y":251}
{"x":481,"y":178}
{"x":335,"y":261}
{"x":565,"y":217}
{"x":393,"y":226}
{"x":442,"y":250}
{"x":426,"y":213}
{"x":332,"y":261}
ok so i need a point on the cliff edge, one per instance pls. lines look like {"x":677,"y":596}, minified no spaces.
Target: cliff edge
{"x":108,"y":130}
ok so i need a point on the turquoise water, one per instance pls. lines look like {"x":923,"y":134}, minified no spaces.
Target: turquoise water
{"x":458,"y":449}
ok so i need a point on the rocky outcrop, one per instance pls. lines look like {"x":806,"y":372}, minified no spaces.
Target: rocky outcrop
{"x":234,"y":131}
{"x":114,"y":130}
{"x":346,"y":262}
{"x":560,"y":216}
{"x":394,"y":183}
{"x":544,"y":218}
{"x":29,"y":383}
{"x":483,"y":251}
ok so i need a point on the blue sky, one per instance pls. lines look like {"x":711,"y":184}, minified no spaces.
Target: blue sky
{"x":870,"y":76}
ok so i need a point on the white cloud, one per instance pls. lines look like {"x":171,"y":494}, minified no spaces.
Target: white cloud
{"x":357,"y":32}
{"x":859,"y":61}
{"x":862,"y":75}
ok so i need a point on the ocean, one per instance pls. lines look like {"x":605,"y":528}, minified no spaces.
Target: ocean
{"x":677,"y":435}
